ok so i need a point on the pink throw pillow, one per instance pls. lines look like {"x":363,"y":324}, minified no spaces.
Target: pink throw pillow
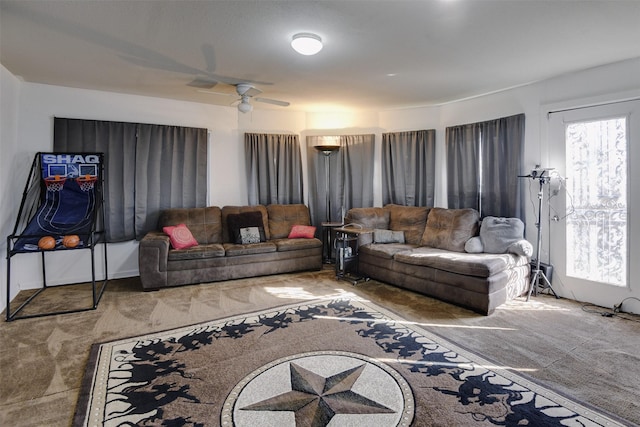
{"x":302,"y":232}
{"x":180,"y":236}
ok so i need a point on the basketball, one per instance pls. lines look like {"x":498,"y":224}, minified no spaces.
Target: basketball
{"x":47,"y":243}
{"x":70,"y":241}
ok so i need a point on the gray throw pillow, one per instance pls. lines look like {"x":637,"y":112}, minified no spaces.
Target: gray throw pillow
{"x":498,"y":233}
{"x":474,"y":245}
{"x":388,"y":236}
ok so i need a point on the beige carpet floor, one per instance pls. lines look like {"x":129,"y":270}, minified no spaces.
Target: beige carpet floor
{"x":594,"y":359}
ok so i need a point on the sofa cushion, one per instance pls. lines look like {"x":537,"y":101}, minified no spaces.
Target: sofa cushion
{"x":450,"y":229}
{"x":410,"y":219}
{"x":386,"y":250}
{"x":205,"y":223}
{"x":180,"y":236}
{"x":283,"y":217}
{"x":214,"y":250}
{"x":479,"y":265}
{"x":227,"y":237}
{"x":284,"y":245}
{"x":232,"y":249}
{"x":368,"y":217}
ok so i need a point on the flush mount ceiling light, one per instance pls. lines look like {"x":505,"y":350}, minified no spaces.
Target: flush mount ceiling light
{"x":306,"y":43}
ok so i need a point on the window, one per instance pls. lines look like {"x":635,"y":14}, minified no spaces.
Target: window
{"x":597,"y":230}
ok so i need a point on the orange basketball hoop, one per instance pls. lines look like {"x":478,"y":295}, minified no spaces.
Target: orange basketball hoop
{"x":54,"y":183}
{"x":86,"y":182}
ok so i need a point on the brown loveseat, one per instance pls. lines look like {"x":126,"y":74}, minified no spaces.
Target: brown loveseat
{"x":217,"y":256}
{"x":423,"y":249}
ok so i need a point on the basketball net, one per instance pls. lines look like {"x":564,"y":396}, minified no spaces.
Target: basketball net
{"x":54,"y":183}
{"x":86,"y":182}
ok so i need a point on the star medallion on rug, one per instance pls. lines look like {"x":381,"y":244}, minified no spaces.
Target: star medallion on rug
{"x":332,"y":362}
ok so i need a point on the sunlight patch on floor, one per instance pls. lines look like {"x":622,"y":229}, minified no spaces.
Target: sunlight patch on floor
{"x":407,"y":322}
{"x":522,"y":304}
{"x":461,"y":365}
{"x":302,"y":293}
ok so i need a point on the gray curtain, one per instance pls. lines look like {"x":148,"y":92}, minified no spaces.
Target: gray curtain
{"x":350,"y":177}
{"x":502,"y":160}
{"x":274,"y":168}
{"x":408,"y":168}
{"x":147,"y":168}
{"x":463,"y":154}
{"x":117,"y":140}
{"x":357,"y":171}
{"x":171,"y":172}
{"x":483,"y":163}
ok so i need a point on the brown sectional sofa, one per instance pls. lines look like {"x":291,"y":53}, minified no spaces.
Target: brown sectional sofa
{"x":432,"y":259}
{"x":217,"y":257}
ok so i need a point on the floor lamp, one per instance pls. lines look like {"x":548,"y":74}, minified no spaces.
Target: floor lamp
{"x":327,"y":150}
{"x":538,"y":274}
{"x":327,"y":226}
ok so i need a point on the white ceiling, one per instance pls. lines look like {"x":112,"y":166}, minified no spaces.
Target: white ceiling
{"x":377,"y":54}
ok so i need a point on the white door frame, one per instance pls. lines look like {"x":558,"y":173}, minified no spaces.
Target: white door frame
{"x":583,"y":290}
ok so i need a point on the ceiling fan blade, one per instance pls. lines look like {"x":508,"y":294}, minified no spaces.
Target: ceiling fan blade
{"x":236,"y":102}
{"x":273,"y":101}
{"x":212,"y":92}
{"x":202,"y":83}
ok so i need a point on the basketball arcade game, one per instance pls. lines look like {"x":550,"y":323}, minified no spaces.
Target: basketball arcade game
{"x":62,"y":210}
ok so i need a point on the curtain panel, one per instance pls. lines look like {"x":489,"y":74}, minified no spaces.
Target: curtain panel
{"x":171,"y":172}
{"x":117,"y":140}
{"x":274,"y":168}
{"x":345,"y":175}
{"x":357,"y":166}
{"x":502,"y":160}
{"x":463,"y":179}
{"x":147,"y":168}
{"x":408,"y":168}
{"x":483,"y":163}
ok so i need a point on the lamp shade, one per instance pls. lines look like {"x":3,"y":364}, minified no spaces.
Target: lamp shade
{"x":306,"y":43}
{"x":327,"y":144}
{"x":326,"y":148}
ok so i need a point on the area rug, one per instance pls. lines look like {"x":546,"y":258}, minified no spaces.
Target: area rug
{"x":337,"y":362}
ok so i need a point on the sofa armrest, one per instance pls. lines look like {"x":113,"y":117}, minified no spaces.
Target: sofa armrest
{"x":153,"y":253}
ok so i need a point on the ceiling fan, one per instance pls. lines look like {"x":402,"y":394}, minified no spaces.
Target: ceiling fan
{"x":246,"y":91}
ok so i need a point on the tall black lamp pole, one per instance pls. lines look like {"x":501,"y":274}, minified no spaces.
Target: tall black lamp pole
{"x":327,"y":150}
